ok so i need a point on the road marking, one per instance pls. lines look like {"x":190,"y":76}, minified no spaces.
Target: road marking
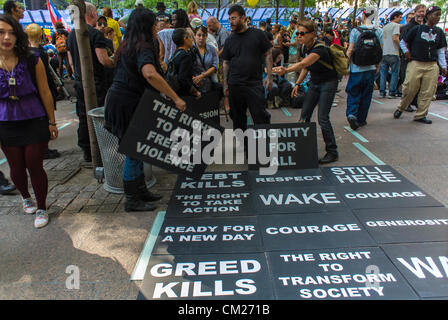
{"x":356,"y":134}
{"x":445,"y":103}
{"x":64,"y":125}
{"x":438,"y":115}
{"x":376,"y":101}
{"x":368,"y":153}
{"x":249,"y":121}
{"x":143,"y":260}
{"x":286,"y":112}
{"x":72,"y":112}
{"x":3,"y":161}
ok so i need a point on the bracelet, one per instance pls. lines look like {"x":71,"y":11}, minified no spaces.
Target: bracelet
{"x":52,"y":124}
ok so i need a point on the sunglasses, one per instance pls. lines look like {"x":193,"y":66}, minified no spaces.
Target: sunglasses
{"x":303,"y":33}
{"x":104,"y":24}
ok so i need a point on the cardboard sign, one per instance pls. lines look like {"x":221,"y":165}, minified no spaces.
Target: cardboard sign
{"x":312,"y":231}
{"x":296,"y":145}
{"x":354,"y":175}
{"x":212,"y":194}
{"x":209,"y":235}
{"x":384,"y":195}
{"x":424,"y":265}
{"x":297,"y":200}
{"x":401,"y":225}
{"x":221,"y":276}
{"x":337,"y":274}
{"x":148,"y":137}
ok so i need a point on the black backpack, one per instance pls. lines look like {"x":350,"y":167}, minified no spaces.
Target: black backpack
{"x":171,"y":74}
{"x":367,"y":49}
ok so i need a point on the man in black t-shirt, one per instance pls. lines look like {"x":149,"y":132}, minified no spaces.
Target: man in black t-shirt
{"x":100,"y":60}
{"x":262,"y":27}
{"x":425,"y":46}
{"x":245,"y":50}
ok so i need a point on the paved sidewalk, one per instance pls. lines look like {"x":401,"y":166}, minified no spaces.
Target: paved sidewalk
{"x":90,"y":230}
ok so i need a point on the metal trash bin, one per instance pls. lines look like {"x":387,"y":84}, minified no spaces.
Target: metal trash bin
{"x":112,"y":159}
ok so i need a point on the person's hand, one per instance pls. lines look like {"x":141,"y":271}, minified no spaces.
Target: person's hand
{"x":197,"y":95}
{"x":198,"y":79}
{"x":408,"y":56}
{"x":295,"y":92}
{"x":180,"y":104}
{"x":53,"y":132}
{"x":225,"y":90}
{"x":279,"y":70}
{"x":268,"y":82}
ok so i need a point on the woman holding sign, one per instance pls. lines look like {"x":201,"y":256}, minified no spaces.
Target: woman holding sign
{"x":137,"y":68}
{"x":323,"y":85}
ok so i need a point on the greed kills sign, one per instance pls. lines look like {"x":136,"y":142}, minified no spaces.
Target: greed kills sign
{"x":223,"y":276}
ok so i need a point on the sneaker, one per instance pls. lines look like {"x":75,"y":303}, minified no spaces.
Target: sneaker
{"x":51,"y":154}
{"x":6,"y":188}
{"x":383,"y":95}
{"x":29,"y":206}
{"x":353,"y":123}
{"x":392,"y":96}
{"x":41,"y":219}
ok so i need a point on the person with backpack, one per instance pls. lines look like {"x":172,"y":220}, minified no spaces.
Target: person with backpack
{"x":365,"y":52}
{"x":27,"y":119}
{"x":59,"y":39}
{"x":316,"y":59}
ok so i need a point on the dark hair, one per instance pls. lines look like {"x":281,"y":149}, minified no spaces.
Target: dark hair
{"x":275,"y":53}
{"x":395,"y":14}
{"x":182,"y":20}
{"x":138,"y":34}
{"x":58,"y":25}
{"x":268,"y":20}
{"x":179,"y":36}
{"x":8,"y":6}
{"x":107,"y":12}
{"x":262,"y":24}
{"x":328,"y":29}
{"x":202,"y":28}
{"x":309,"y":25}
{"x":160,"y":6}
{"x":238,"y":9}
{"x":21,"y":49}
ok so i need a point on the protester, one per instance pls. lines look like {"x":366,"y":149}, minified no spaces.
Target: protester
{"x":292,"y":44}
{"x":34,"y":32}
{"x":183,"y":62}
{"x":137,"y":68}
{"x":161,"y":14}
{"x":27,"y":120}
{"x":359,"y":87}
{"x":262,"y":27}
{"x":100,"y":60}
{"x":206,"y":65}
{"x":14,"y":9}
{"x":424,"y":46}
{"x":197,"y":23}
{"x":391,"y":55}
{"x":59,"y":39}
{"x":192,"y":10}
{"x":219,"y":32}
{"x":243,"y":52}
{"x":280,"y":92}
{"x":111,"y":23}
{"x":322,"y":88}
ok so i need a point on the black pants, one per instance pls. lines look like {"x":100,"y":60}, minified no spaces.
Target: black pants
{"x":241,"y":98}
{"x":83,"y":130}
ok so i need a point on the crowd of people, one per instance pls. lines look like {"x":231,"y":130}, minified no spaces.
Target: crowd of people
{"x":178,"y":54}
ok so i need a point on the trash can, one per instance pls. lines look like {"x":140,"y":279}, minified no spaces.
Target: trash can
{"x":112,"y":159}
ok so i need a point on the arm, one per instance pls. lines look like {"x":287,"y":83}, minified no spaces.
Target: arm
{"x":103,"y":58}
{"x":158,"y":82}
{"x":309,"y":60}
{"x":441,"y":59}
{"x":225,"y":75}
{"x":269,"y":64}
{"x":70,"y":61}
{"x":46,"y":97}
{"x":295,"y":90}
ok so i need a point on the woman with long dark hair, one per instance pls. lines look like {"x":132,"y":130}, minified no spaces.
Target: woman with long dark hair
{"x":27,"y":120}
{"x":137,"y":68}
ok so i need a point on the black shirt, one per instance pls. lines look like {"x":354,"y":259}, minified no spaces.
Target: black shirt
{"x":184,"y":62}
{"x":97,"y":40}
{"x":424,"y":41}
{"x":245,"y":52}
{"x":319,"y":72}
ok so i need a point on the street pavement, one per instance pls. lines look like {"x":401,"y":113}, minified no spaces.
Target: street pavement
{"x":89,"y":230}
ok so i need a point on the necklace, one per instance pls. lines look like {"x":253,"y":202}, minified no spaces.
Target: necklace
{"x":12,"y":79}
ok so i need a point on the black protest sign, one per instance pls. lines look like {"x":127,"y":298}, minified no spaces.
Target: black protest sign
{"x":165,"y":137}
{"x":294,"y":144}
{"x":207,"y":107}
{"x":337,"y":274}
{"x":209,"y":235}
{"x":287,"y":179}
{"x":220,"y":276}
{"x":352,"y":175}
{"x":297,"y":200}
{"x":211,"y":194}
{"x":312,"y":231}
{"x":385,"y":195}
{"x":424,"y":265}
{"x":399,"y":225}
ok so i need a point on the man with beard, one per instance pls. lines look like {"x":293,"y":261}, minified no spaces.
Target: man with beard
{"x":243,"y":55}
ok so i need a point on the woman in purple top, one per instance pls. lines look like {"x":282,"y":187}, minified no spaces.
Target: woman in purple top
{"x":27,"y":120}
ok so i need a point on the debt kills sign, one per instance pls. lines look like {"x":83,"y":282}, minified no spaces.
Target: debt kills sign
{"x":295,"y":146}
{"x":208,"y":235}
{"x":337,"y":274}
{"x":221,"y":276}
{"x":312,"y":231}
{"x":352,"y":175}
{"x":162,"y":135}
{"x":424,"y":265}
{"x":212,"y":194}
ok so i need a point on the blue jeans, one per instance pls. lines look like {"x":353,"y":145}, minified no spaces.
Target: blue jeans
{"x":359,"y":94}
{"x":392,"y":62}
{"x":322,"y":94}
{"x":132,"y":169}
